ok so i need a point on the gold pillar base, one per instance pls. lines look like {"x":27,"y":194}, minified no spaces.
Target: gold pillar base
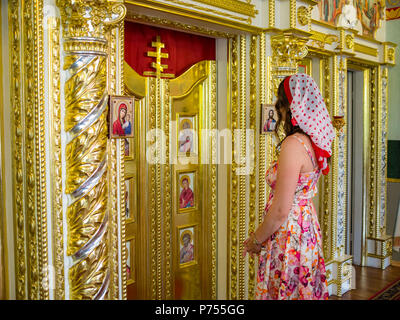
{"x":339,"y":274}
{"x":379,"y":252}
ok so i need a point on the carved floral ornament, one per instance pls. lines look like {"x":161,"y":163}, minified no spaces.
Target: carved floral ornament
{"x":89,"y":18}
{"x":288,"y":49}
{"x":303,"y":15}
{"x":349,"y":41}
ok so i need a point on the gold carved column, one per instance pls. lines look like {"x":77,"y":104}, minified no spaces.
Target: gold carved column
{"x":85,"y":123}
{"x":26,"y":111}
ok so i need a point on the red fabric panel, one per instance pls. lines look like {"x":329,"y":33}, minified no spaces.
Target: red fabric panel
{"x":184,"y":49}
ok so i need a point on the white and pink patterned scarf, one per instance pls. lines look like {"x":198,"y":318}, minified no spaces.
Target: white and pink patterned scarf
{"x":310,"y":114}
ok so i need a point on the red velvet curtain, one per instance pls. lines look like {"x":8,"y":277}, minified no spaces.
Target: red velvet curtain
{"x":184,"y":49}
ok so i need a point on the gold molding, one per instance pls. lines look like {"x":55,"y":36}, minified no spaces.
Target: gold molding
{"x":372,"y":165}
{"x":116,"y":171}
{"x":134,"y":17}
{"x":158,"y":199}
{"x":395,"y":180}
{"x":17,"y":148}
{"x":167,"y":200}
{"x":292,"y":16}
{"x":4,"y":272}
{"x":327,"y":238}
{"x":321,"y":39}
{"x":41,"y":154}
{"x":365,"y":49}
{"x":323,"y":24}
{"x":232,"y":234}
{"x":121,"y":90}
{"x":334,"y":161}
{"x":122,"y":216}
{"x":213,"y":121}
{"x":56,"y":160}
{"x":253,"y":157}
{"x":30,"y":109}
{"x":193,"y":14}
{"x":152,"y":193}
{"x":243,"y":146}
{"x":271,"y":13}
{"x":244,"y":8}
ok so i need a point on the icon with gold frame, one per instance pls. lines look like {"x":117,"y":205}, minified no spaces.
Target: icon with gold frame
{"x":187,"y":190}
{"x":187,"y":245}
{"x":269,"y":118}
{"x":121,"y":109}
{"x":187,"y":135}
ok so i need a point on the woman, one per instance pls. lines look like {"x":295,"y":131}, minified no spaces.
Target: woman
{"x":118,"y":124}
{"x":186,"y":198}
{"x":291,"y":263}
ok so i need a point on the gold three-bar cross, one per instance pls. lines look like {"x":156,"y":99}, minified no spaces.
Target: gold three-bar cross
{"x":158,"y":65}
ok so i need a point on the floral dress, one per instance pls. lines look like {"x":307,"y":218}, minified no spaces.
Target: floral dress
{"x":291,"y":263}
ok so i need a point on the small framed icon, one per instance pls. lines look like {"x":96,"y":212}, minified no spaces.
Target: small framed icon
{"x":186,"y":188}
{"x":121,"y":110}
{"x":187,"y":245}
{"x":269,"y":118}
{"x":187,"y":135}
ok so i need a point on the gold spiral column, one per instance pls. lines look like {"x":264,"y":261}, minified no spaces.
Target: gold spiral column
{"x":85,"y":123}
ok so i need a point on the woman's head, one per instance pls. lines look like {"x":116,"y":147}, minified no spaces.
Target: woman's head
{"x":302,"y":108}
{"x":282,"y":108}
{"x":122,"y":111}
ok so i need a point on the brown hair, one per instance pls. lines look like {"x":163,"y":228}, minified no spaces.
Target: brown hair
{"x":288,"y":127}
{"x":283,"y":104}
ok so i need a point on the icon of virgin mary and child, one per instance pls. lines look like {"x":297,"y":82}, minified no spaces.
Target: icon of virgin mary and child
{"x":122,"y":126}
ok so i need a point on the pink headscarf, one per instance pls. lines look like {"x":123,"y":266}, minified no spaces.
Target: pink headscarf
{"x":310,"y":114}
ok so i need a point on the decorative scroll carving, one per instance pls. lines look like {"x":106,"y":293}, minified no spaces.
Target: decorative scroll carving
{"x":84,"y":28}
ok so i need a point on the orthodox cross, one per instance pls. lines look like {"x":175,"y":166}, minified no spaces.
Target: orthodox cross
{"x":157,"y":65}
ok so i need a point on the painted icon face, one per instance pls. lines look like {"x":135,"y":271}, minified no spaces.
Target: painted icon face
{"x":122,"y":113}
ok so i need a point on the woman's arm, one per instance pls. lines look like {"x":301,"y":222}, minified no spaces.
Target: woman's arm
{"x":289,"y":165}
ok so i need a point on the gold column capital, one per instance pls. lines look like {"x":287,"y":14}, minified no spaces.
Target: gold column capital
{"x":89,"y":18}
{"x":288,"y":48}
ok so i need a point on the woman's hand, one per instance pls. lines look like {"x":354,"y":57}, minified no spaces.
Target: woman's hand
{"x":250,"y":245}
